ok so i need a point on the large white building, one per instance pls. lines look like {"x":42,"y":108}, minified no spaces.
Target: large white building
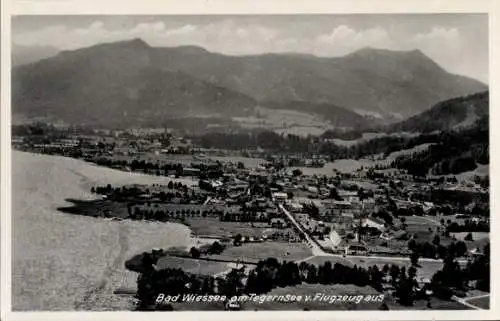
{"x":280,"y":197}
{"x":373,"y":222}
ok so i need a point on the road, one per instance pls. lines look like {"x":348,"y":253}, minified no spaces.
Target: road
{"x":316,"y":250}
{"x":394,"y":258}
{"x":464,"y":301}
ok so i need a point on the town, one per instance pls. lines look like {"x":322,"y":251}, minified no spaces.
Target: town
{"x":422,"y":240}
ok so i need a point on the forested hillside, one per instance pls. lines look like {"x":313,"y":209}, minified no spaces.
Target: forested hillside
{"x":455,"y":152}
{"x":447,"y":115}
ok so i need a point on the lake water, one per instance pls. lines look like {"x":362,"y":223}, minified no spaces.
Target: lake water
{"x":69,"y":262}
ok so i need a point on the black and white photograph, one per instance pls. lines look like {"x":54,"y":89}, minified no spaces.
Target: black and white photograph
{"x":250,"y":162}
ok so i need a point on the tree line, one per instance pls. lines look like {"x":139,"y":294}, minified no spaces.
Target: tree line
{"x":435,"y":249}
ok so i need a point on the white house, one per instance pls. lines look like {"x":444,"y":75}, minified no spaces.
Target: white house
{"x":373,"y":222}
{"x":351,"y":196}
{"x":280,"y":197}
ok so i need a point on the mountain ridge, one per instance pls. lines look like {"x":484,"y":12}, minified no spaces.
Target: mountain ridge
{"x":404,"y":85}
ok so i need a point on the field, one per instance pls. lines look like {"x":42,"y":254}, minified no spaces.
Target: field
{"x":253,"y":252}
{"x":285,"y":121}
{"x":483,"y":302}
{"x":481,"y":170}
{"x":351,"y":165}
{"x":428,"y":221}
{"x":369,"y":136}
{"x":193,"y":266}
{"x":426,"y":269}
{"x":422,"y":233}
{"x":320,"y":260}
{"x":68,"y":262}
{"x":214,"y":227}
{"x":475,"y":235}
{"x":301,"y":130}
{"x":419,"y":226}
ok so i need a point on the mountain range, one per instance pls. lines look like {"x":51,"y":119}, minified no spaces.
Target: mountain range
{"x":131,"y":83}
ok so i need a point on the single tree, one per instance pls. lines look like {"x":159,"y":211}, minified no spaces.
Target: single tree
{"x":414,"y":258}
{"x":195,"y":253}
{"x":237,"y":240}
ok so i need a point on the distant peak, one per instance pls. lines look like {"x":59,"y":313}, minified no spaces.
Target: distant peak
{"x":369,"y":50}
{"x":192,"y":49}
{"x":132,"y":44}
{"x":378,"y":51}
{"x":375,"y":53}
{"x":365,"y":49}
{"x":418,"y":53}
{"x":136,"y":42}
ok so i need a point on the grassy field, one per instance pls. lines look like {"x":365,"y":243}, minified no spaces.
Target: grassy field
{"x":351,"y":165}
{"x":429,"y":221}
{"x":302,"y":130}
{"x":254,"y":252}
{"x":477,"y":243}
{"x":320,"y":260}
{"x":213,"y":226}
{"x":426,"y":269}
{"x":481,"y":170}
{"x":369,"y":136}
{"x":193,"y":266}
{"x":483,"y":303}
{"x":419,"y":226}
{"x":285,"y":121}
{"x":475,"y":235}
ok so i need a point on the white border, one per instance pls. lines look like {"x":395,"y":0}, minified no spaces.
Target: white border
{"x":157,"y":7}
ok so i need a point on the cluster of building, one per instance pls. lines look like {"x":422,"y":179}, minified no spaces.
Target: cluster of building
{"x":234,"y":192}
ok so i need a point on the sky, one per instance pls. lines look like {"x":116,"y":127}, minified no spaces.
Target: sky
{"x":458,"y":42}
